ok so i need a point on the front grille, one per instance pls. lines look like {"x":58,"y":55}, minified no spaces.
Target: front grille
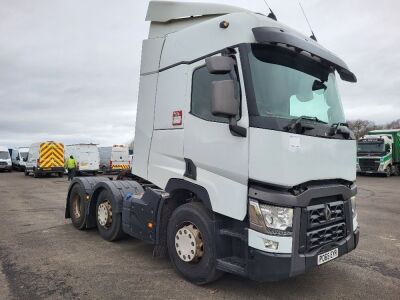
{"x":320,"y":237}
{"x":325,"y":214}
{"x":368,"y":164}
{"x":3,"y":163}
{"x":322,"y":224}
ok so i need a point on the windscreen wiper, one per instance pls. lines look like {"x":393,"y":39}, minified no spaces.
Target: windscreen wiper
{"x":343,"y":129}
{"x":298,"y":127}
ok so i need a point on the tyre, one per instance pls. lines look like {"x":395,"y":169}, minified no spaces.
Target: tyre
{"x":26,"y":173}
{"x":109,"y":223}
{"x":60,"y":174}
{"x":77,"y":209}
{"x":388,"y":171}
{"x":35,"y":174}
{"x":191,"y":244}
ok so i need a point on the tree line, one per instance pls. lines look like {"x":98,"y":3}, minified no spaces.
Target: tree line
{"x":361,"y":127}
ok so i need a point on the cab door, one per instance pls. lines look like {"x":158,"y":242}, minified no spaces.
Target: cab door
{"x":216,"y":159}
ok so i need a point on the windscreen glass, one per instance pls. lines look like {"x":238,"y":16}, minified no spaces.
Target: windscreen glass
{"x":371,"y":147}
{"x":4,"y":155}
{"x":24,"y":155}
{"x":290,"y":85}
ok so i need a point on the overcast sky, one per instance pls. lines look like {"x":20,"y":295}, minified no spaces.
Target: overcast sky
{"x":69,"y":70}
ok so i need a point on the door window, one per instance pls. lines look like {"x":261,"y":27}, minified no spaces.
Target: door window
{"x":201,"y":94}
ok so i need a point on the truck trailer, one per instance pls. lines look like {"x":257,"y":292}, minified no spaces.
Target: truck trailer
{"x":243,"y":159}
{"x":379,"y":153}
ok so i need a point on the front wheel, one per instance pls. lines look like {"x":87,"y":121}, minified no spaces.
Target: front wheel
{"x":61,"y":174}
{"x":388,"y":171}
{"x":109,"y":223}
{"x":26,"y":173}
{"x":191,"y":244}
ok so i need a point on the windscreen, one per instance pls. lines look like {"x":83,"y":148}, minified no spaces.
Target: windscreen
{"x":4,"y":155}
{"x":378,"y":147}
{"x":290,"y":85}
{"x":24,"y":155}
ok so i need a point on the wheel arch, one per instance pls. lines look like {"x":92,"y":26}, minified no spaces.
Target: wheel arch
{"x":181,"y":190}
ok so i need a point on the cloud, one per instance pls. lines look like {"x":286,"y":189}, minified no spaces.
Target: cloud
{"x":69,"y":70}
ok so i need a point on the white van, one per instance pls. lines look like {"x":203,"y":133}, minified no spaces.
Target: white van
{"x":87,"y":157}
{"x":19,"y":157}
{"x":114,"y":159}
{"x":5,"y":159}
{"x":45,"y":158}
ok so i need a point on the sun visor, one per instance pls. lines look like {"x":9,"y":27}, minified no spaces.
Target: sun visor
{"x":273,"y":35}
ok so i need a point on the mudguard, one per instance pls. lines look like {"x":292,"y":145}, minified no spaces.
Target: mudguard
{"x":118,"y":190}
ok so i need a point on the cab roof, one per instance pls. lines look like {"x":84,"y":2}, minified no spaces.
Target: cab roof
{"x":165,"y":11}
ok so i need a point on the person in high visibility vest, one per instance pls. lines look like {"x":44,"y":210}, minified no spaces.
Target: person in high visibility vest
{"x":71,"y":167}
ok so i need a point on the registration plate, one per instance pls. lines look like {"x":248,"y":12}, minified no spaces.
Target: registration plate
{"x":327,"y":256}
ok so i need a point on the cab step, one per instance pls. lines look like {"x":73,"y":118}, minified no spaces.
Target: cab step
{"x":233,"y":264}
{"x":233,"y":234}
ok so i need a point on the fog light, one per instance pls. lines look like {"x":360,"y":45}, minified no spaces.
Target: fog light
{"x":271,"y":244}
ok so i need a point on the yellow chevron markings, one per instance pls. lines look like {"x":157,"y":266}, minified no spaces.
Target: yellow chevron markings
{"x":51,"y":155}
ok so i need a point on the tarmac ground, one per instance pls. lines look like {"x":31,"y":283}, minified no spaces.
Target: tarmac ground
{"x":42,"y":256}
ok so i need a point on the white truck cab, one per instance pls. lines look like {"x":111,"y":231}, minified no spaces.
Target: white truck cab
{"x":243,"y":161}
{"x":5,"y":159}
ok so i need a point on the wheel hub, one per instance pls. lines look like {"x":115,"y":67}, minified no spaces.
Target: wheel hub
{"x":104,"y":214}
{"x":189,"y":244}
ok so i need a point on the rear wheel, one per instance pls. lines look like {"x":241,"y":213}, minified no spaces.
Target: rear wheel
{"x":61,"y":174}
{"x":77,"y":209}
{"x":191,"y":244}
{"x":35,"y":174}
{"x":109,"y":223}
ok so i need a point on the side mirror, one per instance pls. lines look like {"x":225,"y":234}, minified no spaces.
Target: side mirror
{"x":219,"y":64}
{"x":17,"y":158}
{"x":223,"y":101}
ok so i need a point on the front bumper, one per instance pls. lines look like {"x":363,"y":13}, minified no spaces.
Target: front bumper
{"x":5,"y":167}
{"x":264,"y":266}
{"x":297,"y":254}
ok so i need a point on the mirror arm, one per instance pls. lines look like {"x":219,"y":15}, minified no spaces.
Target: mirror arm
{"x":235,"y":129}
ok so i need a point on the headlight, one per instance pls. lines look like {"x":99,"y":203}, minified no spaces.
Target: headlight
{"x":270,"y":219}
{"x":354,"y":212}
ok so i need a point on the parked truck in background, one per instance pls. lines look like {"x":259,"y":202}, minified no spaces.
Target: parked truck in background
{"x":114,"y":159}
{"x":87,"y":157}
{"x":243,"y":161}
{"x":19,"y":157}
{"x":5,"y":159}
{"x":379,"y":153}
{"x":45,"y":158}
